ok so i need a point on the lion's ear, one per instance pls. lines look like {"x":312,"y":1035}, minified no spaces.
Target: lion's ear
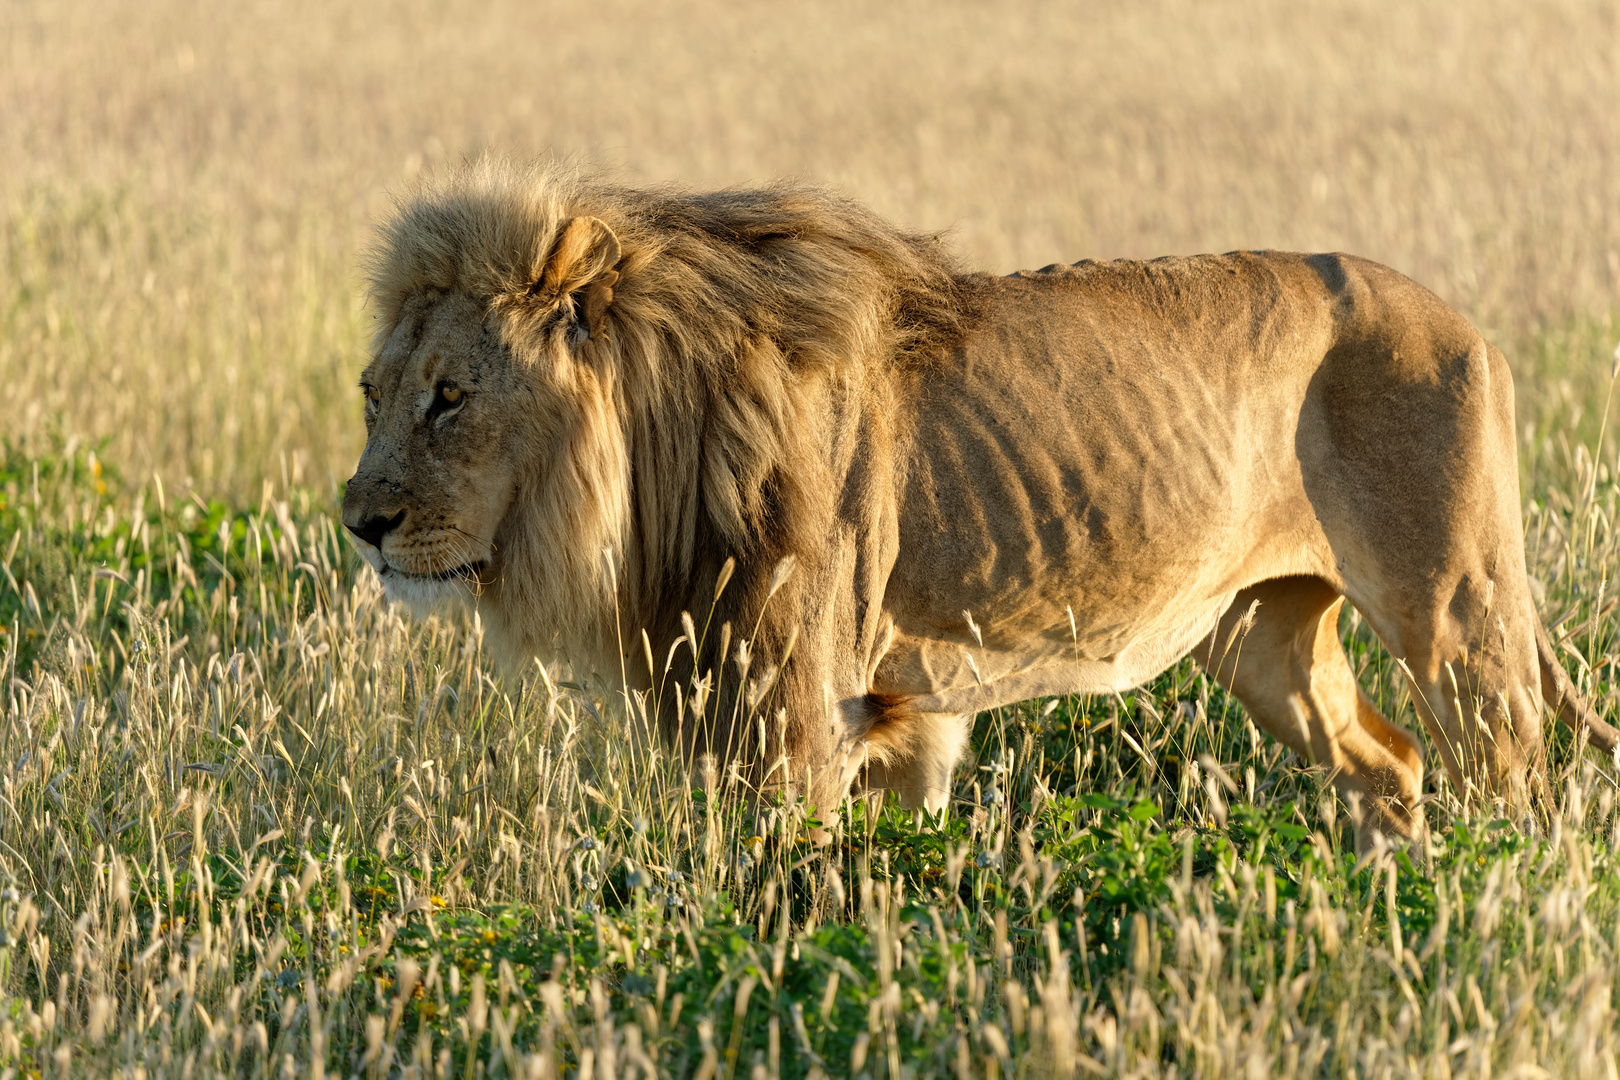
{"x":582,"y":263}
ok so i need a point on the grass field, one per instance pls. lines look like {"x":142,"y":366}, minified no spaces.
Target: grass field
{"x":255,"y":822}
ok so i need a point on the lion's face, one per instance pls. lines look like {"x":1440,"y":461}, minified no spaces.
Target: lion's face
{"x":493,"y":471}
{"x":443,"y":453}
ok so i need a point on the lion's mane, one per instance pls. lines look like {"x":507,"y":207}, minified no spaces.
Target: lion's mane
{"x":738,"y":319}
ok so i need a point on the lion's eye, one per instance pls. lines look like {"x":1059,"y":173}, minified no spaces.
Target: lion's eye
{"x":373,"y":395}
{"x":447,"y":399}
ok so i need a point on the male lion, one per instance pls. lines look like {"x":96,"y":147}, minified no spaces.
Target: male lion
{"x":592,"y":410}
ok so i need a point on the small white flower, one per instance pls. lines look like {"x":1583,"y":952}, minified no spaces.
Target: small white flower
{"x":586,"y":843}
{"x":991,"y":797}
{"x":985,"y":860}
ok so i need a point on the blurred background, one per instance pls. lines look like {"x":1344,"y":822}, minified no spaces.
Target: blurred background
{"x":185,"y":187}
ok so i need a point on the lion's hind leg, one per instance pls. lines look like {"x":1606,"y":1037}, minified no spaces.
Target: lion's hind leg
{"x":1471,"y":652}
{"x":1290,"y":672}
{"x":913,"y":754}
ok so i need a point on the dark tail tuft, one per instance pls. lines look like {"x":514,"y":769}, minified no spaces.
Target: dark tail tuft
{"x":891,"y":726}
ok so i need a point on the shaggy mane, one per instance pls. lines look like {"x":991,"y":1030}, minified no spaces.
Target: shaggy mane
{"x":827,"y":280}
{"x":739,"y":318}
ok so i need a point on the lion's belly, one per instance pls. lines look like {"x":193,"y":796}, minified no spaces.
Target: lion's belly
{"x":950,"y":676}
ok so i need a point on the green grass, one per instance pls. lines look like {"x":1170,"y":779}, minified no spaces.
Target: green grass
{"x":253,"y":821}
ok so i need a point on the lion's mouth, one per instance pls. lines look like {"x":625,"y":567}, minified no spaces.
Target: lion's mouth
{"x":470,"y":573}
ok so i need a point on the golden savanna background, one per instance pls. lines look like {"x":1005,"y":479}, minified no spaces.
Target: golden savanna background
{"x":186,"y":187}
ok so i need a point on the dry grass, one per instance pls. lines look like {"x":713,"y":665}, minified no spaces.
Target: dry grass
{"x":254,"y":822}
{"x":245,"y":808}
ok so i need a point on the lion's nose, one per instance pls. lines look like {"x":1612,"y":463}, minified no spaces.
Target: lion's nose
{"x":373,"y":529}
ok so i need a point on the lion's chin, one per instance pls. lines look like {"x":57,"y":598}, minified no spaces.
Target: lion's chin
{"x":427,"y":594}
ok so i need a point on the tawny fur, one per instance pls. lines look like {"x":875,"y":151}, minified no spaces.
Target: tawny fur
{"x":587,"y":401}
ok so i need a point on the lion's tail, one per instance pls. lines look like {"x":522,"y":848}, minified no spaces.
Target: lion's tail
{"x":1561,"y":694}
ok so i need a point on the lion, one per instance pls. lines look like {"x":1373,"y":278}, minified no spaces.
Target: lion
{"x":813,"y":495}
